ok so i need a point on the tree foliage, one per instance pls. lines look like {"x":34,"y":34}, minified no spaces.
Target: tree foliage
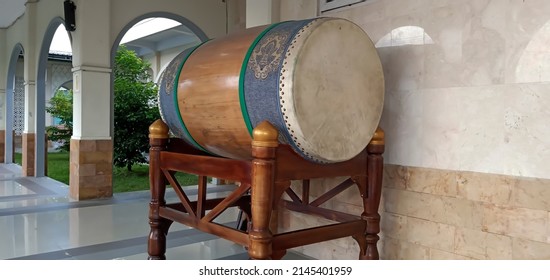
{"x":61,"y":106}
{"x":135,"y":108}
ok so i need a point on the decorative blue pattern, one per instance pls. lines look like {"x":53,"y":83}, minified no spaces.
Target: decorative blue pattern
{"x":261,"y":85}
{"x":167,"y":90}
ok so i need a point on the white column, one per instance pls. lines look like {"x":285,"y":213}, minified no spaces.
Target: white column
{"x":236,"y":15}
{"x":3,"y":102}
{"x":4,"y":64}
{"x":5,"y":60}
{"x":298,"y":9}
{"x":2,"y":107}
{"x":157,"y":65}
{"x":8,"y":136}
{"x":7,"y":93}
{"x":30,"y":105}
{"x":91,"y":143}
{"x":91,"y":103}
{"x":91,"y":72}
{"x":262,"y":12}
{"x":30,"y":68}
{"x":29,"y":142}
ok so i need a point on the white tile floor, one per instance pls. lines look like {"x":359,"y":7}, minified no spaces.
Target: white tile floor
{"x":39,"y":221}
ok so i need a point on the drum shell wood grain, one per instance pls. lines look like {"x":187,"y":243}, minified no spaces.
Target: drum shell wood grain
{"x":208,"y":94}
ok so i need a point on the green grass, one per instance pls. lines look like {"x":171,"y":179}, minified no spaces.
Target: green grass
{"x":123,"y":181}
{"x":58,"y":166}
{"x":18,"y":159}
{"x":138,"y":179}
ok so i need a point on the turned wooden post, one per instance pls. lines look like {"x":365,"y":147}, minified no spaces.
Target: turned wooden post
{"x":375,"y":165}
{"x":158,"y":139}
{"x":264,"y":147}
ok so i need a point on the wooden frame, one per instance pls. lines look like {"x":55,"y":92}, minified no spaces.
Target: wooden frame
{"x":263,"y":181}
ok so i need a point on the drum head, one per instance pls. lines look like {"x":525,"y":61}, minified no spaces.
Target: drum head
{"x":335,"y":76}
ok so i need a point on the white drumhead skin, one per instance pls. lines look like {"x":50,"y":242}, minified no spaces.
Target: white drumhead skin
{"x":335,"y":76}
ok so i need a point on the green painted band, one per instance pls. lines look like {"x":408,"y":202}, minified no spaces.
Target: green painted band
{"x":176,"y":82}
{"x":242,"y":101}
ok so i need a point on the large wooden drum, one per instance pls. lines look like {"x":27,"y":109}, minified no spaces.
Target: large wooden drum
{"x":318,"y":81}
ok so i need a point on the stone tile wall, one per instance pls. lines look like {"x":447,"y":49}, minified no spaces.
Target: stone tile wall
{"x":2,"y":145}
{"x":91,"y":169}
{"x":469,"y":214}
{"x":440,"y":214}
{"x":28,"y":154}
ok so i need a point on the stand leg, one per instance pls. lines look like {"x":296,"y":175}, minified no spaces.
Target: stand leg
{"x":280,"y":188}
{"x":371,"y":197}
{"x":158,"y":138}
{"x":264,"y":148}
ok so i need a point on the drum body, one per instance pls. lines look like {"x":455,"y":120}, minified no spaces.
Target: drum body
{"x":318,"y":81}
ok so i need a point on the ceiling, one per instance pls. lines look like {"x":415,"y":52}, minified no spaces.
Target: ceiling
{"x":169,"y":38}
{"x":10,"y":10}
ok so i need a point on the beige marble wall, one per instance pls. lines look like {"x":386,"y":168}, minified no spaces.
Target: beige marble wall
{"x":477,"y":216}
{"x":467,"y":82}
{"x":441,"y":214}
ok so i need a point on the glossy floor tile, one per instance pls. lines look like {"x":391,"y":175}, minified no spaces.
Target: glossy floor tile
{"x":38,"y":221}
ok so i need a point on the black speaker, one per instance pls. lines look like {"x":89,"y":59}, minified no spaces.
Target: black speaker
{"x":70,"y":7}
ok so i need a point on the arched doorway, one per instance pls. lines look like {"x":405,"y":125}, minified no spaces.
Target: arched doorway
{"x":11,"y":87}
{"x":41,"y":92}
{"x":155,"y":38}
{"x":188,"y":27}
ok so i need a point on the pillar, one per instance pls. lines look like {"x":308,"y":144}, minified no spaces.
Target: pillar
{"x":236,"y":15}
{"x":91,"y":157}
{"x":3,"y":86}
{"x":298,"y":9}
{"x":262,"y":12}
{"x":2,"y":120}
{"x":29,"y":131}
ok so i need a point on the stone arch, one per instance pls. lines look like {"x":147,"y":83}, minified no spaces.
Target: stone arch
{"x":193,"y":27}
{"x":67,"y":84}
{"x":61,"y":75}
{"x":40,"y":156}
{"x":183,"y":20}
{"x":10,"y":90}
{"x":405,"y":35}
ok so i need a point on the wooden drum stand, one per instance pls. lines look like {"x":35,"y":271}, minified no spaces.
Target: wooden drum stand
{"x":263,"y":179}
